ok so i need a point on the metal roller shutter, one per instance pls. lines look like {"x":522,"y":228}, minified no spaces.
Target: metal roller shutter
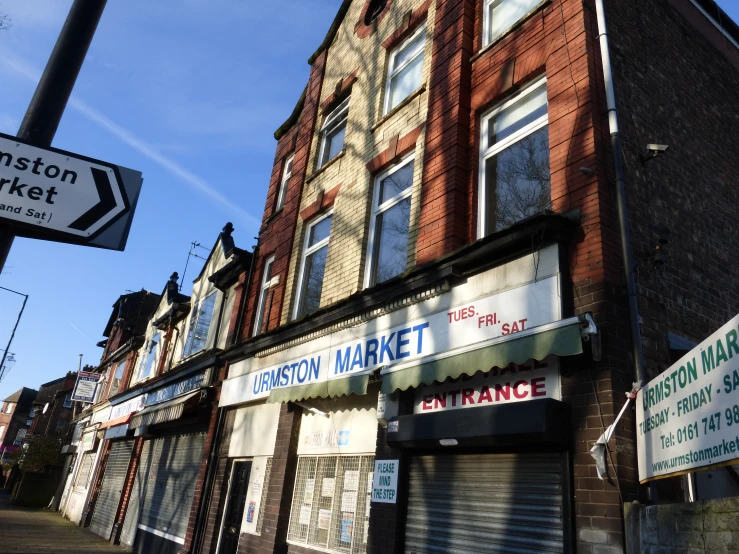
{"x":172,"y":480}
{"x":485,"y":503}
{"x":131,"y":522}
{"x":110,"y":491}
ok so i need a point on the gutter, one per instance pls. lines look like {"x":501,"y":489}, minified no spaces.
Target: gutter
{"x":621,"y":204}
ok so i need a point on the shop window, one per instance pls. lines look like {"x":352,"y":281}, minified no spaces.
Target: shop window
{"x":287,"y":172}
{"x":150,"y":355}
{"x":391,"y":208}
{"x":501,"y":15}
{"x":313,"y":265}
{"x":331,"y":503}
{"x":405,"y":70}
{"x":514,"y":165}
{"x":262,"y":304}
{"x":263,"y":501}
{"x":332,"y":133}
{"x":115,"y":385}
{"x":199,"y":328}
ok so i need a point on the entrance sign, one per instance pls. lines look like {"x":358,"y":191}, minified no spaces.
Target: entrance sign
{"x":385,"y":481}
{"x":56,"y":195}
{"x":86,"y":386}
{"x":688,"y":417}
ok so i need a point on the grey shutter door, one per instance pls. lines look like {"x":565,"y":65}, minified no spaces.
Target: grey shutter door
{"x":107,"y":503}
{"x":485,"y":503}
{"x":131,"y":521}
{"x":171,"y":484}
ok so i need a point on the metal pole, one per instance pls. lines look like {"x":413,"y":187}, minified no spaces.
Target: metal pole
{"x":23,"y":307}
{"x":626,"y":254}
{"x":55,"y":87}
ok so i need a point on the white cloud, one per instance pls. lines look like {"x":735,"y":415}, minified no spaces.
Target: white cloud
{"x":138,"y":144}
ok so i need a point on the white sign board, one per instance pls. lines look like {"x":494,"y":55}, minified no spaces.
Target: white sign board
{"x":385,"y":481}
{"x":514,"y":383}
{"x":60,"y":193}
{"x":86,"y":387}
{"x":128,"y":407}
{"x":688,"y":417}
{"x":360,"y":350}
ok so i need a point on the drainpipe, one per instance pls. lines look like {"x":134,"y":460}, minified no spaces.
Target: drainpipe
{"x":623,"y":223}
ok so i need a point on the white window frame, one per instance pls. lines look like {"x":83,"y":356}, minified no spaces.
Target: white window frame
{"x":307,"y":252}
{"x":2,"y":432}
{"x":393,"y":72}
{"x":379,"y":209}
{"x":142,"y":361}
{"x":486,"y":39}
{"x":9,"y":407}
{"x":193,"y":325}
{"x":487,"y":151}
{"x":339,"y":115}
{"x":287,"y":172}
{"x":263,"y":291}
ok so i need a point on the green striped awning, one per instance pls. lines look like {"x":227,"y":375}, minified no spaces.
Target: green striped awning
{"x":356,"y":384}
{"x":162,"y":413}
{"x":561,"y":338}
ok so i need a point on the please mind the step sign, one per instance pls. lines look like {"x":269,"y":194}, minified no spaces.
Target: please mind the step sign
{"x":688,"y":417}
{"x":56,"y":195}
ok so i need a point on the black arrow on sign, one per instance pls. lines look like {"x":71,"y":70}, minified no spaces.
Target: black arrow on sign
{"x":99,"y":210}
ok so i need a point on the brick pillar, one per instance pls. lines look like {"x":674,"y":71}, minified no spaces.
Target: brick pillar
{"x":127,"y":489}
{"x":445,"y":204}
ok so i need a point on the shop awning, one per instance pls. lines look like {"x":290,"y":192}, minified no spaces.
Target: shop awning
{"x":123,"y":420}
{"x":562,"y":338}
{"x":161,"y":413}
{"x":356,"y":384}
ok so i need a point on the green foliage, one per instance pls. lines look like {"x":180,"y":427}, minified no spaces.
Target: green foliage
{"x":41,"y":452}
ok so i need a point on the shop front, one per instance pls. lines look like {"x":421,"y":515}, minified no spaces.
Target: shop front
{"x":173,"y":423}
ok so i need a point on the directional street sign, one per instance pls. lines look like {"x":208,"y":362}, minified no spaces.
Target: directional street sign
{"x":55,"y":195}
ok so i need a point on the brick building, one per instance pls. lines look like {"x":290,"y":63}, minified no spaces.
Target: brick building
{"x":15,"y":418}
{"x":441,"y":281}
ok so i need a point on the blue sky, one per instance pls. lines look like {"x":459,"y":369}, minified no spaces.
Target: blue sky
{"x":187,"y":91}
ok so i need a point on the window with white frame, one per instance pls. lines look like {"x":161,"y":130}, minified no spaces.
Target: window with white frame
{"x":200,"y":320}
{"x":117,"y":378}
{"x":263,"y":292}
{"x":387,"y":253}
{"x":149,"y":358}
{"x":312,"y":265}
{"x":332,"y":133}
{"x":514,"y":160}
{"x":501,"y":15}
{"x":331,"y":503}
{"x":2,"y":431}
{"x":287,"y":172}
{"x":405,"y":70}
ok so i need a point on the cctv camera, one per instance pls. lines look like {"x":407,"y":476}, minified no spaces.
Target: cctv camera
{"x":656,"y":148}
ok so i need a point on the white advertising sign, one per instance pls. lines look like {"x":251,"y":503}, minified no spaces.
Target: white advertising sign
{"x":688,"y":416}
{"x":514,"y":383}
{"x":335,"y":357}
{"x":385,"y":481}
{"x":86,"y":385}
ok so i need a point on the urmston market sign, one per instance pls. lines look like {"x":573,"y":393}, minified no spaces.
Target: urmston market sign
{"x":688,"y":417}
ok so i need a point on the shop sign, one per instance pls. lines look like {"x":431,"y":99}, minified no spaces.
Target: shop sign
{"x":688,"y":417}
{"x":385,"y":481}
{"x":88,"y":441}
{"x":514,"y":383}
{"x":176,"y":389}
{"x":103,"y":414}
{"x":85,"y":387}
{"x":497,"y":315}
{"x":128,"y":407}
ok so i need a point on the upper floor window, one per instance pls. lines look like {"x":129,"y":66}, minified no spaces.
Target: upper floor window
{"x":391,"y":209}
{"x":2,"y":432}
{"x":8,"y":407}
{"x":200,"y":320}
{"x":150,"y":355}
{"x":287,"y":172}
{"x":374,"y":10}
{"x":312,"y":265}
{"x":117,"y":379}
{"x":32,"y":413}
{"x":501,"y":15}
{"x":263,"y":291}
{"x":405,"y":70}
{"x":514,"y":165}
{"x":332,"y":133}
{"x":68,"y":401}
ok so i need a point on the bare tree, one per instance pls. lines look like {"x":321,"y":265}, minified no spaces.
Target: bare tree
{"x":4,"y":22}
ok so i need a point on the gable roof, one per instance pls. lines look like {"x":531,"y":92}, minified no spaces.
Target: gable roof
{"x":22,"y":396}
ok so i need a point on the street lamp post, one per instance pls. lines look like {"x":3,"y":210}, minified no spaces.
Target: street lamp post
{"x":10,"y":341}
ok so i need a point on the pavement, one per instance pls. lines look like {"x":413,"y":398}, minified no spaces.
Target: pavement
{"x":41,"y":531}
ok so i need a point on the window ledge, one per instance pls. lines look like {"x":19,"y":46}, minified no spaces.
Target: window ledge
{"x":325,"y":166}
{"x":509,"y":31}
{"x":384,"y":119}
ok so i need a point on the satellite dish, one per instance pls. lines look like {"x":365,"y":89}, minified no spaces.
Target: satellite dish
{"x":46,"y":407}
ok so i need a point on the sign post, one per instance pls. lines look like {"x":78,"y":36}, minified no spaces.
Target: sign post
{"x":688,"y":416}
